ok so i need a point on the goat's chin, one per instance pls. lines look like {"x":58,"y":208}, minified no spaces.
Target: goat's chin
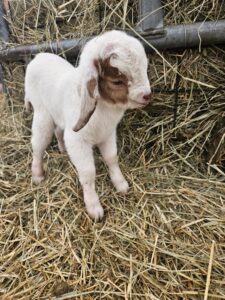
{"x":119,"y":105}
{"x":134,"y":104}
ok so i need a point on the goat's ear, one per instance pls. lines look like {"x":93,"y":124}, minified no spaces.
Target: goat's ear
{"x":89,"y":97}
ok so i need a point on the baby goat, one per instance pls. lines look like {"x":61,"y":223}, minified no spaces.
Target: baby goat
{"x":83,"y":106}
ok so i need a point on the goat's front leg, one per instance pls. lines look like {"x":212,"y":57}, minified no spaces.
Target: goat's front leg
{"x":108,"y":150}
{"x":81,"y":156}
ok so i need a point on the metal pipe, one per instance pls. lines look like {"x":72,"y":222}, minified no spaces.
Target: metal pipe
{"x":70,"y":47}
{"x":150,"y":17}
{"x":175,"y":36}
{"x":190,"y":35}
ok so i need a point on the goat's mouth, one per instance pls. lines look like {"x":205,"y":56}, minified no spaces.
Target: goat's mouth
{"x":139,"y":104}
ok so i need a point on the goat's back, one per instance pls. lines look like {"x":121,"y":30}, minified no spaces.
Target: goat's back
{"x":44,"y":74}
{"x":51,"y":85}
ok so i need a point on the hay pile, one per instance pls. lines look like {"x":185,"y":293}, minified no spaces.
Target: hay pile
{"x":165,"y":239}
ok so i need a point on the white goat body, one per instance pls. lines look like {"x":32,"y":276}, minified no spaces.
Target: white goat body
{"x":83,"y":106}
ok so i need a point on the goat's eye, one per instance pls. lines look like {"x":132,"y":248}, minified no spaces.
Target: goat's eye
{"x":118,"y":82}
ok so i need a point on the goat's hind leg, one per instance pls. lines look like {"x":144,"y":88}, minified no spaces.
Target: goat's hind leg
{"x":42,"y":132}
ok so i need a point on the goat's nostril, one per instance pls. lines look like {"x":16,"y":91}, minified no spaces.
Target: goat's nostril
{"x":147,"y":96}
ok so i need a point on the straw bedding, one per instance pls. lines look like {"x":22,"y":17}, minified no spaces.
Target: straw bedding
{"x":165,"y":239}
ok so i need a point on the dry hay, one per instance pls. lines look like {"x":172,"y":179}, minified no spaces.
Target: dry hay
{"x":166,"y":238}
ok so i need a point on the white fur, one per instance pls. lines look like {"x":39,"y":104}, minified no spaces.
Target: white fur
{"x":57,"y":92}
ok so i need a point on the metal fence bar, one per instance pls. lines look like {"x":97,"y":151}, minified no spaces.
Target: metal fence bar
{"x":71,"y":48}
{"x":190,"y":35}
{"x":4,"y":38}
{"x":150,"y":17}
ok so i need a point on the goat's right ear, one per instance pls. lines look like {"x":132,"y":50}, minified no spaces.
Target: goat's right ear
{"x":89,"y":97}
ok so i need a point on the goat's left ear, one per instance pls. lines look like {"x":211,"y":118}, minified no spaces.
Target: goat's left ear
{"x":89,"y":97}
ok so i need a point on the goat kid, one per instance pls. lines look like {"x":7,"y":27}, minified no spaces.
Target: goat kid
{"x":84,"y":105}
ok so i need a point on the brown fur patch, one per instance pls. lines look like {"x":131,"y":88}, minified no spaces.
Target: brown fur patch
{"x":113,"y":86}
{"x":91,"y":85}
{"x":83,"y":120}
{"x":85,"y":113}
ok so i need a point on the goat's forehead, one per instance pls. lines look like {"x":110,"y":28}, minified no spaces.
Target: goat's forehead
{"x":131,"y":61}
{"x":132,"y":53}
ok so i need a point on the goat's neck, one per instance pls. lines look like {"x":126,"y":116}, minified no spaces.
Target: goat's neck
{"x":110,"y":109}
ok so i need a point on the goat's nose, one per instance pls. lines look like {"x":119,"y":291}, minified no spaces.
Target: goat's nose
{"x":147,"y":96}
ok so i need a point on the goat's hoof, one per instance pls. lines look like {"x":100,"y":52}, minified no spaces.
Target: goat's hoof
{"x":122,"y":186}
{"x":96,"y":212}
{"x":37,"y":179}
